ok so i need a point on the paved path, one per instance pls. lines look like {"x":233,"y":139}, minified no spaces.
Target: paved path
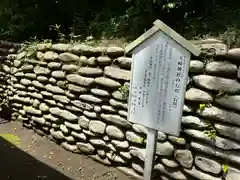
{"x":37,"y":158}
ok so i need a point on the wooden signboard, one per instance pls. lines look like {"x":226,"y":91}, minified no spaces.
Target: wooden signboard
{"x":159,"y":76}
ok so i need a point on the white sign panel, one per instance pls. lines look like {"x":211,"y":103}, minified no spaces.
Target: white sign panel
{"x":159,"y":76}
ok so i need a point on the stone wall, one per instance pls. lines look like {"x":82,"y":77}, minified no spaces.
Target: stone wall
{"x":75,"y":96}
{"x":6,"y":48}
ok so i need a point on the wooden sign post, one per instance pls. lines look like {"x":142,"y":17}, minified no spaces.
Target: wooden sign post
{"x":159,"y":74}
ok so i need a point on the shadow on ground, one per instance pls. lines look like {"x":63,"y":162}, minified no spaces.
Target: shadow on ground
{"x":16,"y":164}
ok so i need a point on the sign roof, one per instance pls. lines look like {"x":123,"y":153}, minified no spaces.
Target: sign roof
{"x":159,"y":25}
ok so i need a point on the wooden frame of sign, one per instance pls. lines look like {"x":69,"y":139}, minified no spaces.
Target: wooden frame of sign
{"x":159,"y":76}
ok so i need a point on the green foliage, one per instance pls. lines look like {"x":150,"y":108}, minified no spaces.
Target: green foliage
{"x":65,"y":20}
{"x":210,"y":131}
{"x":124,"y":90}
{"x":225,"y":168}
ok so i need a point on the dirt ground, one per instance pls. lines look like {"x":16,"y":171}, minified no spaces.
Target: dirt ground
{"x":38,"y":158}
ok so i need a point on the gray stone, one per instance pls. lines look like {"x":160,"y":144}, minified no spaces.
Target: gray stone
{"x":217,"y":114}
{"x":116,"y":119}
{"x":198,"y":95}
{"x":134,"y":138}
{"x":39,"y":120}
{"x":177,"y":140}
{"x":81,"y":136}
{"x":85,"y":147}
{"x":69,"y":147}
{"x":40,"y":55}
{"x":193,"y":122}
{"x":84,"y":60}
{"x":124,"y":62}
{"x":89,"y":71}
{"x":58,"y":74}
{"x":75,"y":127}
{"x":221,"y":68}
{"x":52,"y":80}
{"x":31,"y":75}
{"x":75,"y":88}
{"x":63,"y":113}
{"x":120,"y":144}
{"x":50,"y":117}
{"x":27,"y":67}
{"x":50,"y":101}
{"x":104,"y":60}
{"x":101,"y":153}
{"x":118,"y":95}
{"x":107,"y":82}
{"x":54,"y":89}
{"x":98,"y":159}
{"x":69,"y":94}
{"x":97,"y":142}
{"x":44,"y":46}
{"x":20,"y":74}
{"x":139,"y":129}
{"x":57,"y":134}
{"x":164,"y":149}
{"x":213,"y":49}
{"x":97,"y":127}
{"x":115,"y":51}
{"x":62,"y":99}
{"x":62,"y":84}
{"x":138,"y":152}
{"x":230,"y":156}
{"x":35,"y":95}
{"x":196,"y":66}
{"x":70,"y":67}
{"x":68,"y":57}
{"x":232,"y":174}
{"x":100,"y":92}
{"x":199,"y":175}
{"x":32,"y":110}
{"x":184,"y":157}
{"x":90,"y":133}
{"x":123,"y":113}
{"x":219,"y":142}
{"x":38,"y":84}
{"x":129,"y":171}
{"x":79,"y":80}
{"x":90,"y":114}
{"x":90,"y":98}
{"x":216,"y":83}
{"x":108,"y":108}
{"x":54,"y":65}
{"x":17,"y":63}
{"x":83,"y":122}
{"x":173,"y":173}
{"x":115,"y":132}
{"x":82,"y":105}
{"x":19,"y":86}
{"x":64,"y":129}
{"x":61,"y":47}
{"x":73,"y":108}
{"x":161,"y":136}
{"x":234,"y":54}
{"x":228,"y":131}
{"x":46,"y":93}
{"x":69,"y":139}
{"x":138,"y":168}
{"x":25,"y":82}
{"x":114,"y":157}
{"x":118,"y":104}
{"x":43,"y":107}
{"x":231,"y":102}
{"x":97,"y":109}
{"x":41,"y":70}
{"x":117,"y":73}
{"x":207,"y":165}
{"x":170,"y":163}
